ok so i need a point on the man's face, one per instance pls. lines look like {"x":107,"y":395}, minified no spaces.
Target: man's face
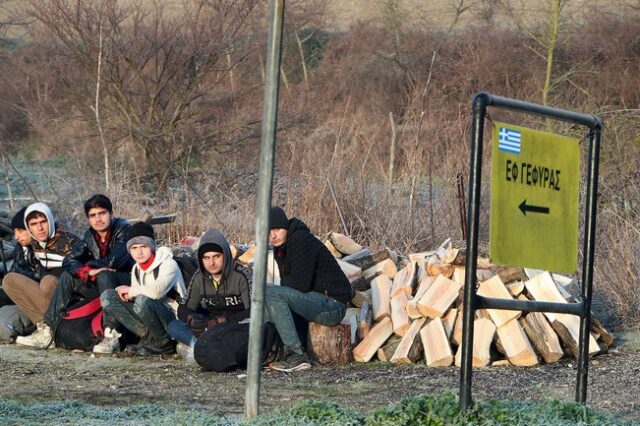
{"x":99,"y":219}
{"x":39,"y":227}
{"x":278,"y":236}
{"x":213,"y":262}
{"x":140,"y":252}
{"x":22,"y":236}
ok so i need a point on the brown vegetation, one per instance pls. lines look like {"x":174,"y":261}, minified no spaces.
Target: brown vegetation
{"x":178,"y":111}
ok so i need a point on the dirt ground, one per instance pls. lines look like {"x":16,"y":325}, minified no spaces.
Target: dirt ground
{"x":31,"y":375}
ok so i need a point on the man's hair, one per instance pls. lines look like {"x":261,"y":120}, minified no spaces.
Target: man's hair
{"x":35,"y":214}
{"x":98,"y":201}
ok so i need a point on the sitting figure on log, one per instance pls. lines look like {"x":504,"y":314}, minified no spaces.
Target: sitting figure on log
{"x":219,"y":292}
{"x":149,"y":304}
{"x":312,"y":286}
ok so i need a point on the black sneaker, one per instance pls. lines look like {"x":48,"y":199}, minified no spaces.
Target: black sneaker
{"x":149,"y":346}
{"x":292,"y":362}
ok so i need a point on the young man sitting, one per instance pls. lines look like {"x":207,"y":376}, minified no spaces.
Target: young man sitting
{"x":148,"y":305}
{"x":218,"y":292}
{"x":50,"y":247}
{"x":312,"y":285}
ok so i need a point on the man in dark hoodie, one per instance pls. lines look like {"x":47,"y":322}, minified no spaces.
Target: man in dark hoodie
{"x":312,"y":285}
{"x":218,"y":292}
{"x":99,"y":262}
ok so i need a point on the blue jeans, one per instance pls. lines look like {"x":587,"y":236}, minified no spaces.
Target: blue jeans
{"x":181,"y":332}
{"x":142,"y":316}
{"x":280,"y":301}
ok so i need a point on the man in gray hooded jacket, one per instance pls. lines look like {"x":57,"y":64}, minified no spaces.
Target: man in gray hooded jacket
{"x":218,"y":292}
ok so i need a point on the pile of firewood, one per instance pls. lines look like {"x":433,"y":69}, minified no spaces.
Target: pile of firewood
{"x":409,"y":309}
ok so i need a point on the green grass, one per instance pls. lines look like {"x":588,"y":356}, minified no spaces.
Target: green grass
{"x":438,"y":410}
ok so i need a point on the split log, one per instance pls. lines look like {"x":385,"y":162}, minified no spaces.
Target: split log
{"x":494,"y":288}
{"x":483,"y":332}
{"x":352,"y":319}
{"x":515,"y":288}
{"x":449,"y":320}
{"x":409,"y":350}
{"x":247,"y":257}
{"x":380,"y":295}
{"x":606,"y":337}
{"x":367,"y":261}
{"x":387,"y":350}
{"x":542,"y":288}
{"x":511,"y":273}
{"x":412,"y":305}
{"x":399,"y":315}
{"x":344,"y":244}
{"x":360,"y":297}
{"x":365,"y":320}
{"x":421,"y":257}
{"x":516,"y":345}
{"x":438,"y":297}
{"x":386,"y":267}
{"x":352,"y":272}
{"x":376,"y":338}
{"x":332,"y":249}
{"x":404,"y":280}
{"x":436,"y":344}
{"x":435,"y":267}
{"x":456,"y":336}
{"x":541,"y":334}
{"x":330,"y":345}
{"x":458,"y":275}
{"x":357,"y":255}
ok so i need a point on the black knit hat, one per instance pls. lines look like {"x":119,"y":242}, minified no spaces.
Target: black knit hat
{"x":18,"y":220}
{"x":98,"y":201}
{"x":207,"y":247}
{"x":141,"y":233}
{"x":278,"y":218}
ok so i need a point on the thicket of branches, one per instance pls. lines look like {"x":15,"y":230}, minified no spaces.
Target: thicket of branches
{"x":160,"y":108}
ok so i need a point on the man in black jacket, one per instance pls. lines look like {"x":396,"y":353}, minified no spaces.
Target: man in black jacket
{"x":312,"y":285}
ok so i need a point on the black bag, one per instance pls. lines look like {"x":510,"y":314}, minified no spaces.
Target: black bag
{"x":225,"y":346}
{"x":81,"y":326}
{"x":188,"y":266}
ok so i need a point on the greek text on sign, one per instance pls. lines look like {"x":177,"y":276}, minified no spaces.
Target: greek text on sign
{"x":534,"y":198}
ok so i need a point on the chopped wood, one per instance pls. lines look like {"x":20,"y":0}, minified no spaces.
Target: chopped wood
{"x":436,"y":344}
{"x":344,"y":244}
{"x":494,"y":288}
{"x":515,"y":288}
{"x":516,"y":344}
{"x":399,"y":315}
{"x":360,"y":297}
{"x":456,"y":336}
{"x":404,"y":280}
{"x":438,"y":297}
{"x":376,"y":338}
{"x":367,"y":261}
{"x":421,"y":257}
{"x":365,"y":320}
{"x":409,"y":350}
{"x":386,"y":267}
{"x":542,"y":336}
{"x":500,"y":363}
{"x":483,"y":332}
{"x":351,"y":271}
{"x":387,"y":350}
{"x":449,"y":320}
{"x":357,"y":255}
{"x":458,"y":275}
{"x":332,"y":249}
{"x":330,"y":345}
{"x":380,"y":295}
{"x":606,"y":337}
{"x":510,"y":273}
{"x":352,"y":319}
{"x":412,"y":305}
{"x":435,"y":267}
{"x":542,"y":288}
{"x":247,"y":257}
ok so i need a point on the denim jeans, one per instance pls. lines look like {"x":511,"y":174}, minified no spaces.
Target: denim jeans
{"x":181,"y":332}
{"x":281,"y":301}
{"x":68,"y":288}
{"x":142,"y":316}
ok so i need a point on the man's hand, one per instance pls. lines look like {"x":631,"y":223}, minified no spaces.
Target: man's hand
{"x":198,"y":324}
{"x":123,"y":293}
{"x":215,"y":321}
{"x":94,"y":272}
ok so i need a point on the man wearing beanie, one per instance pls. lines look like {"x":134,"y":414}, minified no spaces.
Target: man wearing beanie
{"x":50,"y":246}
{"x":100,"y":260}
{"x":218,"y":292}
{"x":148,"y":305}
{"x":311,"y":284}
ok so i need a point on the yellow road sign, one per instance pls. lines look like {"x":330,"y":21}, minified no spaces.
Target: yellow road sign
{"x":534,"y":199}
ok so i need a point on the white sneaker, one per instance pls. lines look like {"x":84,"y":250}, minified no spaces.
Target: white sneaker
{"x":110,"y":343}
{"x":186,"y":352}
{"x":42,"y":338}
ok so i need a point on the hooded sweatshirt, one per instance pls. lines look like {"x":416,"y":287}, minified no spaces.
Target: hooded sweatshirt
{"x":157,"y":285}
{"x":59,"y":244}
{"x":233,"y":293}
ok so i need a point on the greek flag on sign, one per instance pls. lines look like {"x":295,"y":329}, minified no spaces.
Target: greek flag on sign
{"x":509,"y":140}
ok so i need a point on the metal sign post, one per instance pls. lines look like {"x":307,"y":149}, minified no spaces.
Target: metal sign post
{"x":472,"y":301}
{"x":265,"y":185}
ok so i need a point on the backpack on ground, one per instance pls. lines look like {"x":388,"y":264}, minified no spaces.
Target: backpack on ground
{"x":81,"y":326}
{"x":225,"y":346}
{"x":188,"y":266}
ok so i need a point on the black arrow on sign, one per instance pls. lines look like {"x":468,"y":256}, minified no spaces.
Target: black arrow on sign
{"x":524,"y":208}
